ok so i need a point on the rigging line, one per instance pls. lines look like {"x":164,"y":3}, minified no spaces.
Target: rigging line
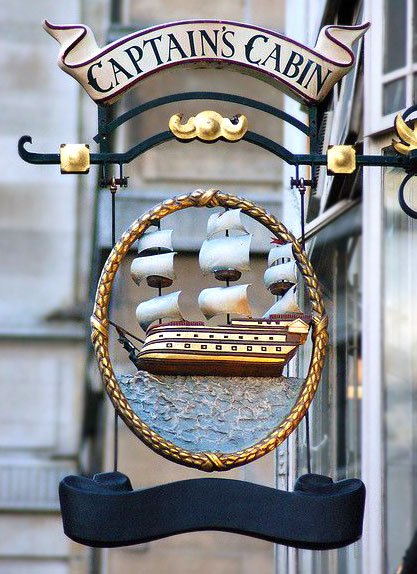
{"x":123,"y":331}
{"x":302,"y":190}
{"x":113,"y":189}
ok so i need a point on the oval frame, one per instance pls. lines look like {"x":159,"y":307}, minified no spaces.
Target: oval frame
{"x":207,"y":461}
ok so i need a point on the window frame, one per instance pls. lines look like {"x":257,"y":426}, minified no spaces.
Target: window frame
{"x":374,"y":121}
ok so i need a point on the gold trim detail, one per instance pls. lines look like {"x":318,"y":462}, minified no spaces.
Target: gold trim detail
{"x":407,"y":135}
{"x":341,"y":159}
{"x":74,"y":158}
{"x":209,"y":126}
{"x":207,"y":461}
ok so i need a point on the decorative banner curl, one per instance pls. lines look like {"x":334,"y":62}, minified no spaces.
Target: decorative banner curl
{"x":107,"y":73}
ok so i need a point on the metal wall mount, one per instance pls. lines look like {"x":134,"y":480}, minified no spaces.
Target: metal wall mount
{"x":339,"y":159}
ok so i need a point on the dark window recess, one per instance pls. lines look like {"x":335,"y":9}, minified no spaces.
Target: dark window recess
{"x":263,"y":348}
{"x":219,"y":347}
{"x":249,"y":348}
{"x":234,"y":348}
{"x":204,"y":346}
{"x":187,"y":345}
{"x":169,"y":345}
{"x":277,"y":348}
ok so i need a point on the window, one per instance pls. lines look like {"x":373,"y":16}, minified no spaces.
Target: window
{"x":336,"y":410}
{"x":393,"y":82}
{"x":399,"y":369}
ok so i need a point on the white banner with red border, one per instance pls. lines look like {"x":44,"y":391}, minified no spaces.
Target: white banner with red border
{"x":107,"y":73}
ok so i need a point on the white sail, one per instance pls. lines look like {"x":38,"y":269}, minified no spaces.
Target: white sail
{"x":158,"y":308}
{"x":280,"y":253}
{"x":225,"y":253}
{"x":287,"y":304}
{"x":228,"y":221}
{"x":218,"y":300}
{"x":153,"y":242}
{"x":161,"y":265}
{"x":286,"y":272}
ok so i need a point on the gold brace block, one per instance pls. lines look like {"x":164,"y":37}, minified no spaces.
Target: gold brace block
{"x":341,"y":159}
{"x":74,"y":158}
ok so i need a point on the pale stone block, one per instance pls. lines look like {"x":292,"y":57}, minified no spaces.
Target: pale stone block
{"x":175,"y":562}
{"x":50,"y":209}
{"x":21,"y":566}
{"x":38,"y":275}
{"x":43,"y":397}
{"x":32,"y":536}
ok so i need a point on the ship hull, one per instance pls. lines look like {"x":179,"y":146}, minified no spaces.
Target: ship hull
{"x":258,"y":348}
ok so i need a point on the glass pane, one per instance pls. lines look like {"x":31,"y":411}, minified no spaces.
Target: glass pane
{"x":395,"y":34}
{"x":336,"y":410}
{"x":414,"y":89}
{"x":393,"y":97}
{"x":414,"y":30}
{"x":400,"y":369}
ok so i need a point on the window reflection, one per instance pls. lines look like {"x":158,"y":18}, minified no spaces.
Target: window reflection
{"x":336,"y":410}
{"x":400,"y":369}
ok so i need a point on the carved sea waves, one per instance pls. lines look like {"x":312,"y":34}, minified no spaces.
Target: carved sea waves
{"x":210,"y":414}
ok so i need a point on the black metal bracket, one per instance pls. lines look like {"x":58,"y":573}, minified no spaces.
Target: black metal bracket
{"x":108,"y":159}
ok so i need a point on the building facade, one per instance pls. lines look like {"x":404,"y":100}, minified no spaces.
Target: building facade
{"x":56,"y":233}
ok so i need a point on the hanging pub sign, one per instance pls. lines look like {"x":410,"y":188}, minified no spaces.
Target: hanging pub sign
{"x":107,"y":73}
{"x":212,"y":394}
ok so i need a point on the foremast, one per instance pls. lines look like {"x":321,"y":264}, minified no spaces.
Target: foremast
{"x":155,"y":264}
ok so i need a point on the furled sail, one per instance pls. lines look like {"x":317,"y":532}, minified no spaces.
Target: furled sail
{"x":165,"y":306}
{"x":228,"y":221}
{"x":225,"y":253}
{"x":287,"y":304}
{"x":280,"y":254}
{"x":153,"y":242}
{"x":153,"y":265}
{"x":218,"y":300}
{"x":286,"y":274}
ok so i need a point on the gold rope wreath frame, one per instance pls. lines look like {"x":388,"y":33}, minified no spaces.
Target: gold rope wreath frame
{"x":207,"y":461}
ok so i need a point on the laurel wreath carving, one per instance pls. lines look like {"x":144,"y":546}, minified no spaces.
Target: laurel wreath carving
{"x":207,"y":461}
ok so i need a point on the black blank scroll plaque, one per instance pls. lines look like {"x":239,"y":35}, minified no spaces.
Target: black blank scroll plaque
{"x":106,"y":512}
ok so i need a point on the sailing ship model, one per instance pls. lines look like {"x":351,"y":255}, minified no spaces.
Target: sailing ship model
{"x":242,"y":347}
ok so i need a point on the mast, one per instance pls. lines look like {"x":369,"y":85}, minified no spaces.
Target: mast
{"x":163,"y":306}
{"x":227,"y":221}
{"x":225,"y":254}
{"x":219,"y":300}
{"x":286,"y":304}
{"x":281,"y":274}
{"x":155,"y":260}
{"x":226,"y":257}
{"x":155,"y":263}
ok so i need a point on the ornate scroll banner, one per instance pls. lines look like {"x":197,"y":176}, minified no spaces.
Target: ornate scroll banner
{"x":106,"y":73}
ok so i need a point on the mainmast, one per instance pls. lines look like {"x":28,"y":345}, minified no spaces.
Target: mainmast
{"x":225,"y":254}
